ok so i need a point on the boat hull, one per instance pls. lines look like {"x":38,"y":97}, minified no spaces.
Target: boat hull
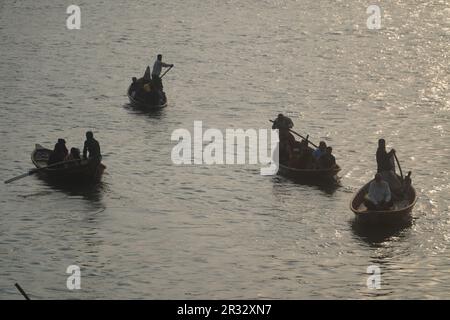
{"x":139,"y":102}
{"x":310,"y":175}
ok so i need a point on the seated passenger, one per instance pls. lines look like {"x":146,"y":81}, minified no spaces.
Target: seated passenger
{"x":379,"y":196}
{"x":306,"y":156}
{"x":59,"y":153}
{"x":146,"y":78}
{"x":320,"y":151}
{"x":327,"y":160}
{"x":133,"y":87}
{"x":75,"y":154}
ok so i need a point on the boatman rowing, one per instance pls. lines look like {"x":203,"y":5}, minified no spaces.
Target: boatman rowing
{"x":156,"y":72}
{"x":92,"y":147}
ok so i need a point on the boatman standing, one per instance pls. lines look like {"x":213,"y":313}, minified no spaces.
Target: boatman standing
{"x":92,"y":146}
{"x":156,"y":72}
{"x":386,"y":167}
{"x":287,"y":140}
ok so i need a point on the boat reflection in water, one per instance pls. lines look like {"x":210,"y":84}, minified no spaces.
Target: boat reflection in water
{"x":92,"y":192}
{"x":329,"y":186}
{"x":377,"y":233}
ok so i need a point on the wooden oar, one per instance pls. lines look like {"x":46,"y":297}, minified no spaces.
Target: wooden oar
{"x":32,"y":171}
{"x":21,"y":291}
{"x":300,"y":136}
{"x":166,"y":72}
{"x":398,"y":165}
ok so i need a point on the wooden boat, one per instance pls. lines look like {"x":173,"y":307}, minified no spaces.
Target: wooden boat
{"x":138,"y":100}
{"x":399,"y":213}
{"x":309,"y":174}
{"x":84,"y":170}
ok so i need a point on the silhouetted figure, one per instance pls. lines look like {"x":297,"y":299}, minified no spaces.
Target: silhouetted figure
{"x":306,"y":156}
{"x":282,"y":122}
{"x":385,"y":160}
{"x":147,"y":78}
{"x":156,"y":71}
{"x":59,"y":153}
{"x":386,"y":167}
{"x":327,"y":160}
{"x":320,"y":151}
{"x":92,"y":147}
{"x":74,"y":154}
{"x":287,"y":140}
{"x":379,"y":196}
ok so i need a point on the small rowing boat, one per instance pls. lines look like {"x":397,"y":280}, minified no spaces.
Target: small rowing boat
{"x":138,"y":99}
{"x":82,"y":170}
{"x":398,"y":213}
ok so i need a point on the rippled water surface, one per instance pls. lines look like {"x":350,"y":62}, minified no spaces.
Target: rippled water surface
{"x":155,"y":230}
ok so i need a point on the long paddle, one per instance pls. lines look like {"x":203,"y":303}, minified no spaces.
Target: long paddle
{"x":32,"y":171}
{"x":22,"y":291}
{"x":300,"y":136}
{"x":166,"y":72}
{"x":398,"y":165}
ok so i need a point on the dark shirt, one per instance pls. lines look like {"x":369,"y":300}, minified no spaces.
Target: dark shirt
{"x":59,"y":153}
{"x":93,"y":147}
{"x":327,"y":161}
{"x":282,"y":123}
{"x":384,"y":162}
{"x":55,"y":157}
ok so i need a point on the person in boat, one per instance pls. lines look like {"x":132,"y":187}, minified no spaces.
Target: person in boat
{"x":156,"y":71}
{"x":287,"y":140}
{"x":147,"y":78}
{"x":134,"y":86}
{"x":306,"y":156}
{"x":327,"y":160}
{"x":386,"y":167}
{"x":407,"y":184}
{"x":59,"y":153}
{"x":282,"y":122}
{"x":379,"y":196}
{"x":92,"y":147}
{"x":320,"y":151}
{"x":75,"y":154}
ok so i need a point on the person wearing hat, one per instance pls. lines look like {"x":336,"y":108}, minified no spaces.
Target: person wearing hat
{"x":59,"y":153}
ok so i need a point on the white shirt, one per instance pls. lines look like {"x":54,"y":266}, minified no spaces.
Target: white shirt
{"x":157,"y":67}
{"x":379,"y":191}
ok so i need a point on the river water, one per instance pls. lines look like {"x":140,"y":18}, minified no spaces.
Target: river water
{"x":156,"y":230}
